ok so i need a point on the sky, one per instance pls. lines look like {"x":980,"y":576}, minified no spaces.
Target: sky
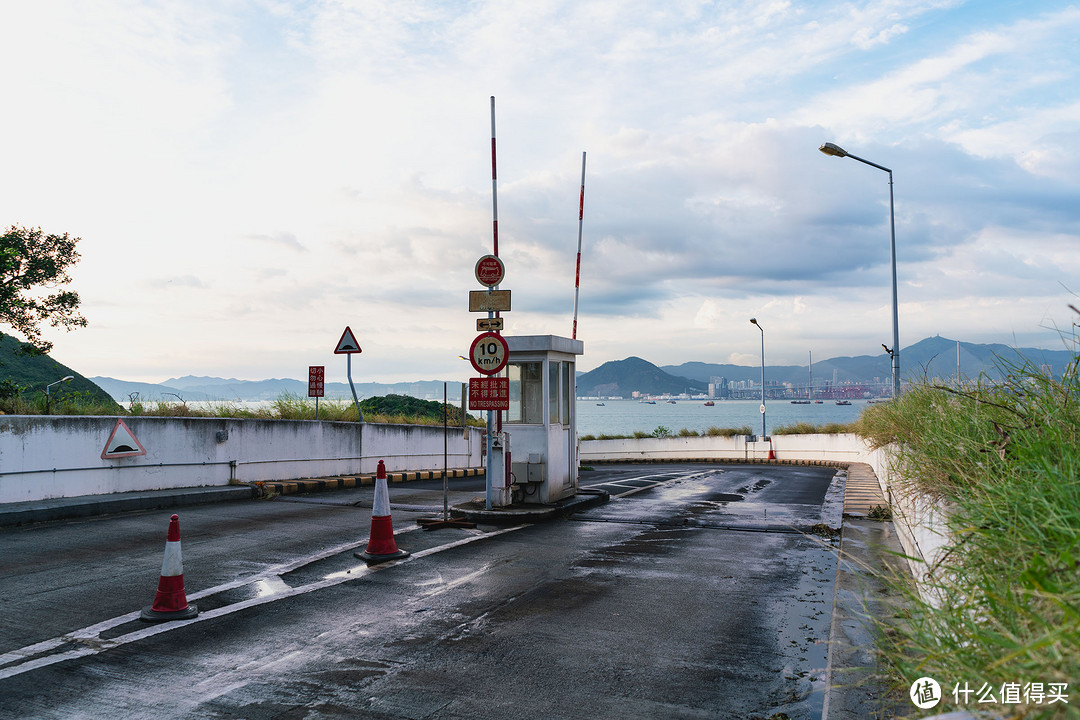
{"x":250,"y":177}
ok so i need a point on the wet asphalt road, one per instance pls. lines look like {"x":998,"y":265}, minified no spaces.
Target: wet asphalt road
{"x":696,"y":592}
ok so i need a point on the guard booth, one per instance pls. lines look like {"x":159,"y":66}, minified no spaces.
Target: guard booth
{"x":542,"y":422}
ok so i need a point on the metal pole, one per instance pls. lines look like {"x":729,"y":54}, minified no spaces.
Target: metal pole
{"x":445,"y":443}
{"x":836,"y":151}
{"x":495,"y":252}
{"x":348,"y":372}
{"x":763,"y":433}
{"x":580,"y":219}
{"x":895,"y":310}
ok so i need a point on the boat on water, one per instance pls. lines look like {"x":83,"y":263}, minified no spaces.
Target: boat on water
{"x":800,"y":402}
{"x":672,"y":402}
{"x":843,"y":402}
{"x":709,"y":403}
{"x":646,"y":402}
{"x":600,"y":405}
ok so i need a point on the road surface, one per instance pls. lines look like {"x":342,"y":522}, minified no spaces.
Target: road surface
{"x":697,"y":592}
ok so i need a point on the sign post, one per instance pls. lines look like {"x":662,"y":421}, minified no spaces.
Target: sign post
{"x":346,"y":346}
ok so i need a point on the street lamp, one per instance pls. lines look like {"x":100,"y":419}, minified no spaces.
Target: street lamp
{"x":755,"y":322}
{"x":837,"y":151}
{"x":48,"y":408}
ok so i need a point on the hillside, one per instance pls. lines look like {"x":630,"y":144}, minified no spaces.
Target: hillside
{"x":33,"y":372}
{"x":624,"y":377}
{"x":197,"y":389}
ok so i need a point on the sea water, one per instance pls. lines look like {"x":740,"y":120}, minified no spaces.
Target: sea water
{"x":625,"y":417}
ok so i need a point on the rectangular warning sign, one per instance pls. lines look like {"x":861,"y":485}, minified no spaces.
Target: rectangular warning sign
{"x":489,"y":393}
{"x":489,"y":301}
{"x":316,"y":385}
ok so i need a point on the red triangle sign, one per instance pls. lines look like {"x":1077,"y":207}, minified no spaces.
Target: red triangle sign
{"x":347,"y":344}
{"x":122,"y":443}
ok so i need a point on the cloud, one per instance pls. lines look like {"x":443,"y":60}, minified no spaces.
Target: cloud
{"x":293,"y":168}
{"x":280,"y":239}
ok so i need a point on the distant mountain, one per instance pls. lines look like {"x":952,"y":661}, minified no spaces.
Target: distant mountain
{"x":930,"y":358}
{"x":212,"y":389}
{"x":624,"y":377}
{"x":34,"y":372}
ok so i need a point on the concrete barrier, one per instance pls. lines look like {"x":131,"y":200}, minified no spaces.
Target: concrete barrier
{"x":828,"y":448}
{"x":43,"y":457}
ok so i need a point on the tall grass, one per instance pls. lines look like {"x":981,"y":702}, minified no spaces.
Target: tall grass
{"x":663,"y":432}
{"x":1004,"y":461}
{"x":805,"y":428}
{"x":287,"y":406}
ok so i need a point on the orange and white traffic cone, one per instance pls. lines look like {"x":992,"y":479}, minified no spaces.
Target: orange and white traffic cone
{"x":170,"y":603}
{"x":772,"y":455}
{"x":381,"y":546}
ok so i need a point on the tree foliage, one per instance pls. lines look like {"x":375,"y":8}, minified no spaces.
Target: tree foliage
{"x":33,"y":264}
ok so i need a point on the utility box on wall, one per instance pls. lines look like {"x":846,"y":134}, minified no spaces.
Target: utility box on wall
{"x":542,"y":420}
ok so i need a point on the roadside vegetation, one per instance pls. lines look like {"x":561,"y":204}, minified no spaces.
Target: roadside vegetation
{"x":392,"y":409}
{"x":662,"y":431}
{"x":1003,"y":603}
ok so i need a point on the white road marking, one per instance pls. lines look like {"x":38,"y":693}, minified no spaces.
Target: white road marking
{"x":667,"y":477}
{"x":94,"y":644}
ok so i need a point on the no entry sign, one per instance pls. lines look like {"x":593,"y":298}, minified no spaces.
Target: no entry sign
{"x":490,"y":270}
{"x":489,"y":393}
{"x":488,"y":353}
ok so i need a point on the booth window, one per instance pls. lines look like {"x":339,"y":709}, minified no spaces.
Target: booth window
{"x":553,"y":392}
{"x":567,"y":391}
{"x":526,"y":393}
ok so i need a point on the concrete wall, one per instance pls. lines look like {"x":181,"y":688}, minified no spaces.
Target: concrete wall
{"x":838,"y":448}
{"x":920,"y":521}
{"x":50,"y":457}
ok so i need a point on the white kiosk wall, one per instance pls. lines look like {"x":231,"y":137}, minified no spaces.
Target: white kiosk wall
{"x":541,"y":421}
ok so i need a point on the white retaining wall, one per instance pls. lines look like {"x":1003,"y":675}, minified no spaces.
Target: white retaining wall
{"x":838,"y":448}
{"x":53,"y":457}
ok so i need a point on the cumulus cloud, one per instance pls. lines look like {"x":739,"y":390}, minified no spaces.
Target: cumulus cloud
{"x":303,"y":166}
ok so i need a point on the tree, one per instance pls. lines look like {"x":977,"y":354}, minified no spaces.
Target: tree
{"x":32,"y":264}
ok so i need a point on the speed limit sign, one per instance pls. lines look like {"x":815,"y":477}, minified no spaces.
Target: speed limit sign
{"x":488,"y":353}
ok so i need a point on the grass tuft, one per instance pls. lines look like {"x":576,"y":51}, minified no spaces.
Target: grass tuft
{"x":1004,"y":459}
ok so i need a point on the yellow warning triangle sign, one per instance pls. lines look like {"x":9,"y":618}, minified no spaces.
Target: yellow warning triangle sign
{"x":122,"y":443}
{"x":347,"y":344}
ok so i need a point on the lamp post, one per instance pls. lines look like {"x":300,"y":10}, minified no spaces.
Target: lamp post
{"x":837,"y":151}
{"x":755,"y":322}
{"x":48,"y":397}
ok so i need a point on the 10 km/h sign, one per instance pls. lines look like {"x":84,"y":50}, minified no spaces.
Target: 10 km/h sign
{"x":488,"y":353}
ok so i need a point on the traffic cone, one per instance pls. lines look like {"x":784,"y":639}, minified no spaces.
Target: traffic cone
{"x":381,"y":546}
{"x":170,"y":603}
{"x":772,"y":455}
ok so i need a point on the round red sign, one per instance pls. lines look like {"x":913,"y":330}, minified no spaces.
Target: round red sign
{"x":490,"y":270}
{"x":489,"y":353}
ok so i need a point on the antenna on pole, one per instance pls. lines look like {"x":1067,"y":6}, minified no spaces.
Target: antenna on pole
{"x":581,"y":220}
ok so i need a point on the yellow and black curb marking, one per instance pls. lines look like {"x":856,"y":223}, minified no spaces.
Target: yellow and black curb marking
{"x":716,"y":461}
{"x":270,"y":488}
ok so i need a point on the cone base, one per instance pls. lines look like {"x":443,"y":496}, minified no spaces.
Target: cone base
{"x":150,"y":615}
{"x":373,"y":558}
